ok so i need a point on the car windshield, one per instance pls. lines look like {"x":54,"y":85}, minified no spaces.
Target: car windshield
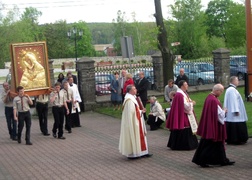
{"x":238,"y":61}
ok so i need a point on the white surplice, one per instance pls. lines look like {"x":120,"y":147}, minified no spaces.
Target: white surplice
{"x":234,"y":103}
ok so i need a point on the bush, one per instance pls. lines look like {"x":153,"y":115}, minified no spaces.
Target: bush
{"x":143,"y":61}
{"x":242,"y":50}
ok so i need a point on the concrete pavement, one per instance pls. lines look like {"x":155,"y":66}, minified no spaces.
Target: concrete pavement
{"x":91,"y":152}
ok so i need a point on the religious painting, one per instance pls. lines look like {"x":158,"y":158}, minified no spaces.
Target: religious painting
{"x":30,"y":67}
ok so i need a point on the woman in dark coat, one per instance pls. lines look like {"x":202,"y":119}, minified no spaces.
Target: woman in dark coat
{"x":116,"y":97}
{"x":60,"y":77}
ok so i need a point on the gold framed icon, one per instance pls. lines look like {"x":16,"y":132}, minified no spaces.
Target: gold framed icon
{"x":30,"y":67}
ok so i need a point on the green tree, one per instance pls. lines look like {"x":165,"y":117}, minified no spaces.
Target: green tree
{"x":12,"y":16}
{"x":32,"y":14}
{"x":14,"y":30}
{"x":62,"y":46}
{"x":84,"y":44}
{"x":217,"y":17}
{"x":102,"y":33}
{"x":189,"y":28}
{"x":144,"y":36}
{"x":120,"y":29}
{"x":30,"y":17}
{"x":235,"y":27}
{"x":167,"y":55}
{"x":57,"y":40}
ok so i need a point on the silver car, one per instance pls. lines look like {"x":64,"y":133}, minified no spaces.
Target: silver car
{"x":198,"y":73}
{"x":238,"y":66}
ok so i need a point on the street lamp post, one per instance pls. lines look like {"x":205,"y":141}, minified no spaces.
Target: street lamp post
{"x":76,"y":34}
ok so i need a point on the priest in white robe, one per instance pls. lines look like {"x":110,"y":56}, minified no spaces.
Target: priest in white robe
{"x":76,"y":107}
{"x":133,"y":141}
{"x":236,"y":114}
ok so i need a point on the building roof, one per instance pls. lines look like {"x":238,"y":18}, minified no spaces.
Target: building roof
{"x":102,"y":47}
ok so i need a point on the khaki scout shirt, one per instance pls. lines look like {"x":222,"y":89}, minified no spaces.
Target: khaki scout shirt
{"x":59,"y":98}
{"x":44,"y":98}
{"x":21,"y":104}
{"x":9,"y":102}
{"x":68,"y":94}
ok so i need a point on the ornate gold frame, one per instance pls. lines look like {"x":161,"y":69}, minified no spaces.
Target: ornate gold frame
{"x":30,"y":67}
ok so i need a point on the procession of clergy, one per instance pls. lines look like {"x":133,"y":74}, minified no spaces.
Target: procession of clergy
{"x":218,"y":124}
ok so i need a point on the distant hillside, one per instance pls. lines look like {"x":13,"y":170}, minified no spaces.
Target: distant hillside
{"x":102,"y":33}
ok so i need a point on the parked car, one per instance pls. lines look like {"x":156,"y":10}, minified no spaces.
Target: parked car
{"x":149,"y":75}
{"x":238,"y":66}
{"x":102,"y":83}
{"x":198,"y":73}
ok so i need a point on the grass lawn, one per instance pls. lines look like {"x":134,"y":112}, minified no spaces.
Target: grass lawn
{"x":199,"y":97}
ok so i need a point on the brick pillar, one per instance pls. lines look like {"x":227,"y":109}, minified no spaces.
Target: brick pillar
{"x":86,"y":83}
{"x":158,"y":71}
{"x":221,"y":59}
{"x":51,"y":71}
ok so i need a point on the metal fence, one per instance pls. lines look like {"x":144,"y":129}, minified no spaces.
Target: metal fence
{"x":199,"y":72}
{"x":105,"y":74}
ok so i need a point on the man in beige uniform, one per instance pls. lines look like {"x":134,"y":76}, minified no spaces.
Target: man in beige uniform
{"x":42,"y":110}
{"x":8,"y":109}
{"x":21,"y":111}
{"x":59,"y":106}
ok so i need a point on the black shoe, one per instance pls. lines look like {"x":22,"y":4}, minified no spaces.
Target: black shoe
{"x":70,"y":131}
{"x":204,"y":165}
{"x":147,"y":155}
{"x":46,"y":134}
{"x":229,"y":163}
{"x":28,"y":143}
{"x":62,"y":137}
{"x":154,"y":129}
{"x":54,"y":135}
{"x":19,"y":141}
{"x":131,"y":158}
{"x":15,"y":139}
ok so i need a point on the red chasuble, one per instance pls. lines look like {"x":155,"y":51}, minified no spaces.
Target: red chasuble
{"x":177,"y":118}
{"x":209,"y":126}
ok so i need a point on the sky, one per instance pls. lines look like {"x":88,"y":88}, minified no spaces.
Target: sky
{"x":91,"y":10}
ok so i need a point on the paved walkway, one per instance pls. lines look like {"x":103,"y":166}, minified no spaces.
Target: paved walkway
{"x":91,"y":152}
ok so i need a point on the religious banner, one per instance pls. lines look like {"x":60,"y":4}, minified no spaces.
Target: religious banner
{"x":30,"y":68}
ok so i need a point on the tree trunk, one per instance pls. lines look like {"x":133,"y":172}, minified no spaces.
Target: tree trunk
{"x":167,"y":56}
